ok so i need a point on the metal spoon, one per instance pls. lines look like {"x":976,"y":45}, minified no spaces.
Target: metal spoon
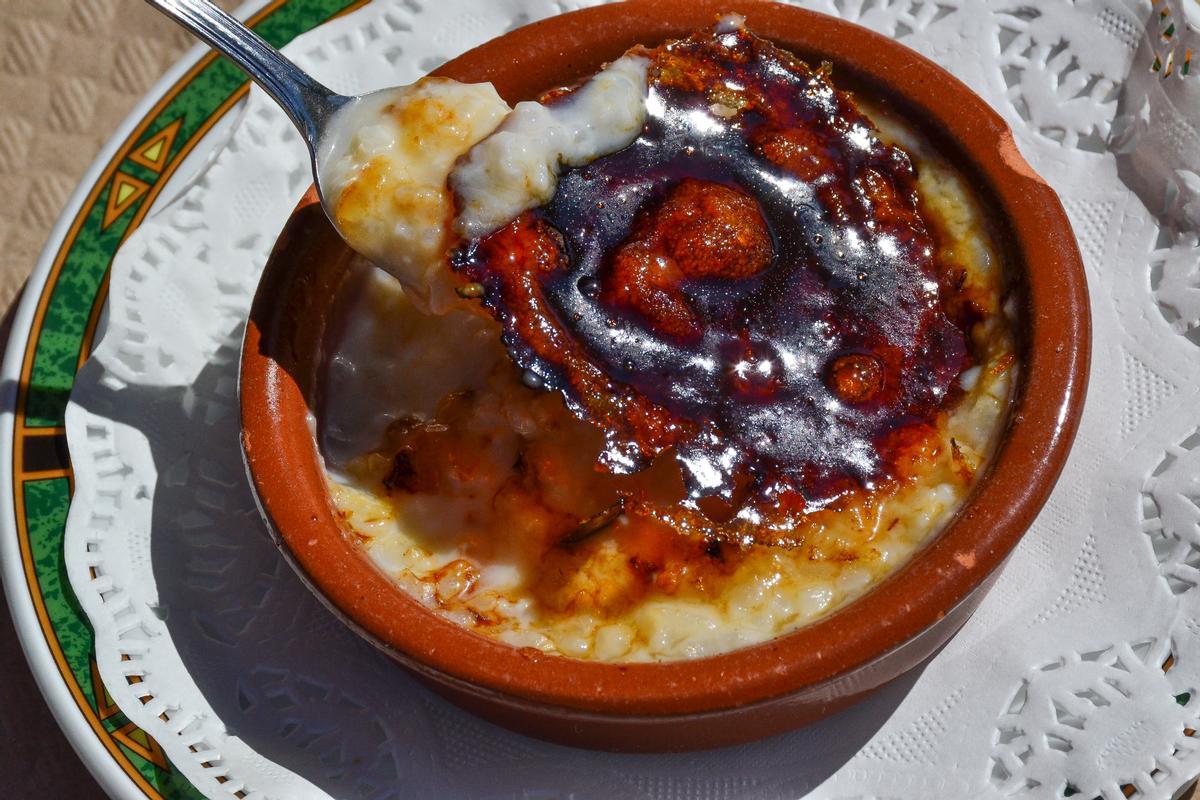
{"x":310,"y":104}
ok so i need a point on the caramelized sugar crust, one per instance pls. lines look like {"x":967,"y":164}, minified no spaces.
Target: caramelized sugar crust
{"x":699,"y":230}
{"x":749,"y":289}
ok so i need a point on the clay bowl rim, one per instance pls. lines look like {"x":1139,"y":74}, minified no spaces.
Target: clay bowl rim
{"x":282,"y":460}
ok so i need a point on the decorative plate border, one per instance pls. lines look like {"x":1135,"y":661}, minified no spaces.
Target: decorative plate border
{"x":52,"y":334}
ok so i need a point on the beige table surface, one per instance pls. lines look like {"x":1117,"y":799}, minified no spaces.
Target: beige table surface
{"x":70,"y":70}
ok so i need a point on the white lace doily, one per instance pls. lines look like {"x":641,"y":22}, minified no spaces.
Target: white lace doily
{"x":1077,"y":676}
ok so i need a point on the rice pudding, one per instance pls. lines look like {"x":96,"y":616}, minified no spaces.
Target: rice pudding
{"x":685,"y":424}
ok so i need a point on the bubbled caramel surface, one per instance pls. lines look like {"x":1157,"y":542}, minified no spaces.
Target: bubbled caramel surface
{"x":749,"y":288}
{"x":700,"y":229}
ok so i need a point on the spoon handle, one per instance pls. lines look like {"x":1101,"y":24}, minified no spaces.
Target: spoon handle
{"x":308,"y":102}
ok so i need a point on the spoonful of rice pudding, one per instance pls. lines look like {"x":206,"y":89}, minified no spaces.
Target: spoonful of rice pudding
{"x":381,"y":160}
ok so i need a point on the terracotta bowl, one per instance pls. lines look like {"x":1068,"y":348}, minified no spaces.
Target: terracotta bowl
{"x":764,"y":689}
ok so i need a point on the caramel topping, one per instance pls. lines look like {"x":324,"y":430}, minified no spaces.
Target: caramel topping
{"x":856,"y":378}
{"x":749,"y":285}
{"x":699,"y":230}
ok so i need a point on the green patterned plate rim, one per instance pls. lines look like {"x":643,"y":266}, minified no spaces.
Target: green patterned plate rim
{"x":51,"y":336}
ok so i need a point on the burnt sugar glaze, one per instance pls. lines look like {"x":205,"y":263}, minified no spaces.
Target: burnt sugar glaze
{"x":748,"y":287}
